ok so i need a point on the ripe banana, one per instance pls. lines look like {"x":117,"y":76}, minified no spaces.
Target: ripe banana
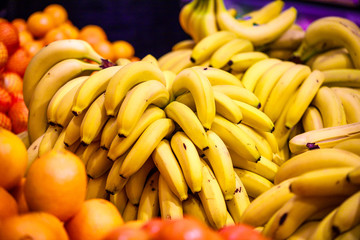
{"x":120,"y":144}
{"x":126,"y":78}
{"x":304,"y":231}
{"x":352,"y":234}
{"x":115,"y":183}
{"x":93,"y":87}
{"x":72,"y":130}
{"x":130,"y":212}
{"x":95,"y":187}
{"x":189,"y":160}
{"x":312,"y":119}
{"x":149,"y":201}
{"x":323,"y":230}
{"x":239,"y":93}
{"x":240,"y":62}
{"x":192,"y":206}
{"x":338,"y":58}
{"x":172,"y":58}
{"x":226,"y":107}
{"x":120,"y":200}
{"x":108,"y":133}
{"x":342,"y":77}
{"x":49,"y":138}
{"x":144,"y":146}
{"x":183,"y":44}
{"x":304,"y":97}
{"x":98,"y":164}
{"x":89,"y":150}
{"x":350,"y":145}
{"x":351,"y":102}
{"x":197,"y":83}
{"x":33,"y":152}
{"x":47,"y":86}
{"x":49,"y":56}
{"x":290,"y":40}
{"x":218,"y":76}
{"x":136,"y":101}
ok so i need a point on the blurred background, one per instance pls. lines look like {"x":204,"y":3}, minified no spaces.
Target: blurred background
{"x":152,"y":26}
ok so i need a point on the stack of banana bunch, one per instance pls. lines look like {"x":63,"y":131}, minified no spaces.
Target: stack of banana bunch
{"x":153,"y":142}
{"x":317,"y":191}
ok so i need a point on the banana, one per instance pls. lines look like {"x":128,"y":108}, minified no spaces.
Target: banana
{"x":24,"y":137}
{"x":294,"y":213}
{"x":183,"y":44}
{"x":135,"y":184}
{"x":197,"y":83}
{"x":239,"y":202}
{"x":192,"y":207}
{"x":323,"y":230}
{"x":324,"y":182}
{"x":149,"y":201}
{"x":126,"y":78}
{"x":188,"y":100}
{"x":151,"y":59}
{"x":226,"y":107}
{"x":206,"y":24}
{"x":120,"y":145}
{"x":342,"y":77}
{"x":189,"y":160}
{"x":323,"y":138}
{"x":93,"y":87}
{"x":49,"y":56}
{"x":130,"y":212}
{"x":89,"y":150}
{"x":347,"y":215}
{"x":262,"y":208}
{"x":136,"y":101}
{"x":253,"y":182}
{"x":284,"y":88}
{"x":115,"y":183}
{"x":169,"y":77}
{"x":312,"y":119}
{"x":314,"y":160}
{"x":304,"y":231}
{"x":327,"y":29}
{"x":170,"y":205}
{"x":120,"y":200}
{"x":72,"y":130}
{"x":49,"y":138}
{"x":212,"y":198}
{"x":352,"y":234}
{"x":291,"y":39}
{"x":170,"y":169}
{"x":304,"y":97}
{"x":185,"y":13}
{"x":258,"y":34}
{"x":282,"y":54}
{"x":240,"y":62}
{"x":95,"y":187}
{"x":80,"y":150}
{"x":144,"y":146}
{"x":170,"y":59}
{"x":60,"y":144}
{"x":98,"y":164}
{"x":179,"y":63}
{"x":224,"y":53}
{"x":63,"y":114}
{"x":108,"y":133}
{"x":261,"y":142}
{"x":263,"y":167}
{"x":268,"y":80}
{"x":208,"y":45}
{"x":122,"y":61}
{"x":253,"y":74}
{"x":33,"y":152}
{"x":255,"y":118}
{"x":338,"y":58}
{"x":351,"y":103}
{"x":235,"y":138}
{"x":218,"y":76}
{"x":239,"y":93}
{"x":194,"y":20}
{"x":220,"y":161}
{"x":60,"y":96}
{"x":47,"y":86}
{"x":330,"y":107}
{"x":350,"y":145}
{"x":94,"y":120}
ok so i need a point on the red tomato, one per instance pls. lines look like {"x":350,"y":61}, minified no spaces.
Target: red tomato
{"x":240,"y":232}
{"x":187,"y":228}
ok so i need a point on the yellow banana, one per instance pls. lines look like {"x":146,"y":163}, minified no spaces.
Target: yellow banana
{"x":98,"y":164}
{"x":149,"y":201}
{"x":312,"y":119}
{"x":95,"y":187}
{"x":115,"y":183}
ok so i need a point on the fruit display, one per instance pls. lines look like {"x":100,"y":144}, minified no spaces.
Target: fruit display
{"x":248,"y":130}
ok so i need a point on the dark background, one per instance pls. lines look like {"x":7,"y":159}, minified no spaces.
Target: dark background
{"x":152,"y":26}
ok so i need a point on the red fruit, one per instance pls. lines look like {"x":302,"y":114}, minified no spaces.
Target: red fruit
{"x":9,"y":35}
{"x":16,"y":97}
{"x":240,"y":232}
{"x":18,"y":114}
{"x":5,"y":100}
{"x":153,"y":227}
{"x":5,"y":121}
{"x":11,"y":81}
{"x":125,"y":232}
{"x":18,"y":61}
{"x":3,"y":55}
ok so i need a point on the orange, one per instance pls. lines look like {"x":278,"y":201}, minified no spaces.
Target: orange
{"x":11,"y":81}
{"x":123,"y":49}
{"x":135,"y":59}
{"x":20,"y":24}
{"x":18,"y":193}
{"x":13,"y":159}
{"x":18,"y":61}
{"x":92,"y":34}
{"x":54,"y":35}
{"x":70,"y":30}
{"x":3,"y":55}
{"x":96,"y":218}
{"x":25,"y":37}
{"x":58,"y":13}
{"x":34,"y":47}
{"x":56,"y":183}
{"x":8,"y":205}
{"x":9,"y":35}
{"x":39,"y":23}
{"x":105,"y":49}
{"x":33,"y":225}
